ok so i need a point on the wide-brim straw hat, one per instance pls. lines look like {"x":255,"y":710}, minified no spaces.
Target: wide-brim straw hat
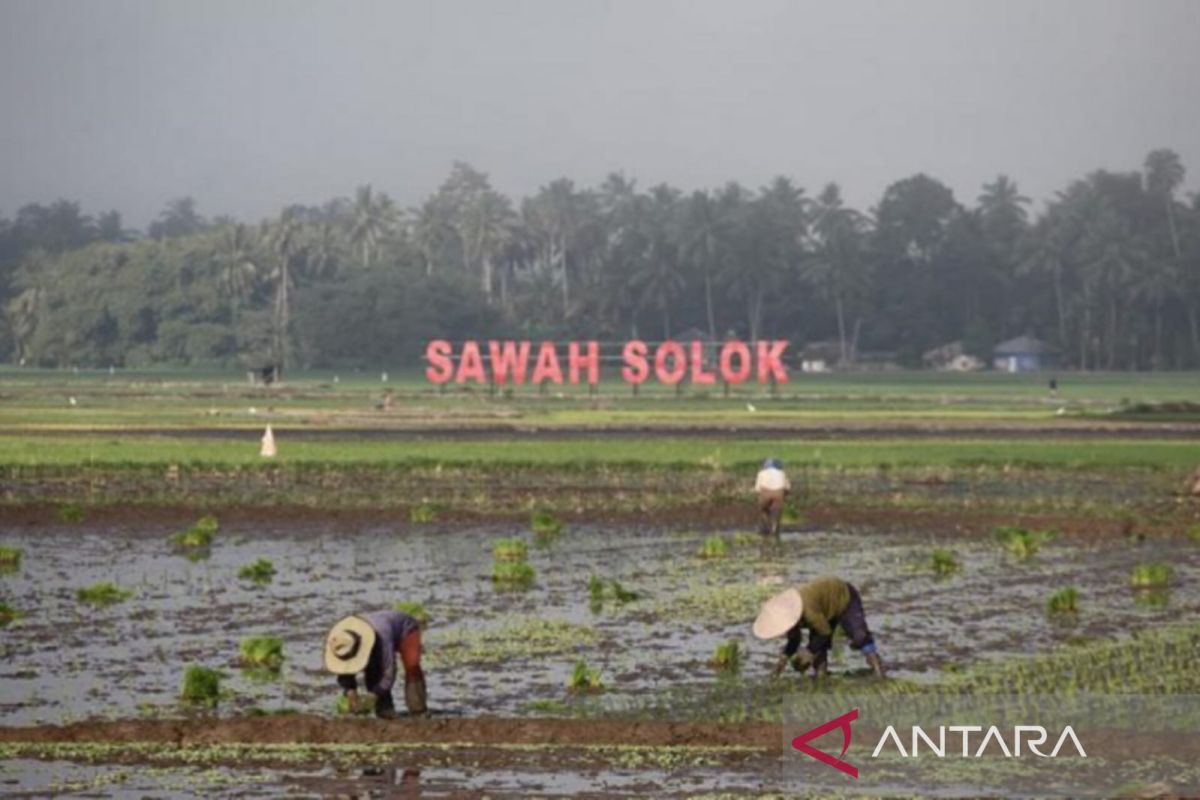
{"x":779,"y":614}
{"x":348,"y":646}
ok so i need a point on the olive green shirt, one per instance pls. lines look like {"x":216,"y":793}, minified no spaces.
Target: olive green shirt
{"x":825,"y":598}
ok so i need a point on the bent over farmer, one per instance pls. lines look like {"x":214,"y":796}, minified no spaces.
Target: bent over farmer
{"x":820,"y":606}
{"x":370,"y":643}
{"x":772,"y":485}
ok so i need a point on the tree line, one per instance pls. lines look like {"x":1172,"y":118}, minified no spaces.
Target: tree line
{"x":1108,"y":273}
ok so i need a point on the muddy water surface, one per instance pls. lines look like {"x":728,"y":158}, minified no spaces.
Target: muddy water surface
{"x":509,"y":652}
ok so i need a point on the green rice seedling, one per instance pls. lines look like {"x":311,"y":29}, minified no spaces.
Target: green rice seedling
{"x":621,"y":594}
{"x":262,"y":652}
{"x":415,"y":610}
{"x":514,"y":574}
{"x":746,"y":538}
{"x":207,"y":524}
{"x":791,"y":515}
{"x":260,"y":571}
{"x":201,"y":686}
{"x":596,"y":589}
{"x":556,"y":707}
{"x":1022,"y":542}
{"x":544,"y":523}
{"x":584,"y":678}
{"x":365,"y":705}
{"x":70,"y":512}
{"x":714,"y":547}
{"x":199,"y":536}
{"x":423,"y":513}
{"x":8,"y":614}
{"x":510,"y":550}
{"x":1150,"y":576}
{"x":10,"y":558}
{"x":1193,"y":533}
{"x":728,"y":656}
{"x":943,"y":562}
{"x":102,"y":594}
{"x":1064,"y":601}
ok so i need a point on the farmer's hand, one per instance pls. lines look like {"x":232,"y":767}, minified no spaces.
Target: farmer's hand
{"x":802,"y":661}
{"x":352,"y":700}
{"x":779,"y":665}
{"x":820,"y":665}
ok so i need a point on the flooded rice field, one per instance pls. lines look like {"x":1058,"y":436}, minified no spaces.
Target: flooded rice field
{"x":494,"y":651}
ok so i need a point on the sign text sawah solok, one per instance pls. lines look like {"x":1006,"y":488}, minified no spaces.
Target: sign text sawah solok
{"x":519,"y":362}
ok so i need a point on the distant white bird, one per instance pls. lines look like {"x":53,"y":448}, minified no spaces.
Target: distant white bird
{"x":750,"y":407}
{"x":71,"y":400}
{"x":335,"y":379}
{"x":1062,"y":410}
{"x":383,"y":377}
{"x":253,"y":410}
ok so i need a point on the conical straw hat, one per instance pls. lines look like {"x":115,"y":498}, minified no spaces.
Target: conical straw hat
{"x":779,"y":614}
{"x":348,"y":646}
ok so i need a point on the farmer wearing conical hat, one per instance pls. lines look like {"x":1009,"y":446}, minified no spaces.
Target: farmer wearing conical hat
{"x":370,"y":643}
{"x":819,"y":605}
{"x":772,"y":485}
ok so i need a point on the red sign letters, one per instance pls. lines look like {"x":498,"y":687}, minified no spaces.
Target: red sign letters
{"x":670,"y":362}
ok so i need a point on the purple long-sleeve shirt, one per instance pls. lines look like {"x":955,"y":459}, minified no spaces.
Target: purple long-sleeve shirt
{"x":390,"y":629}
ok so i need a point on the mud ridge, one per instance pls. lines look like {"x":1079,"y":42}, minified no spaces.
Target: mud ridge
{"x":485,"y":731}
{"x":518,"y":432}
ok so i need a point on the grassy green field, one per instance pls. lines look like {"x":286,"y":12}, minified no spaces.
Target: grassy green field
{"x":898,"y":432}
{"x":43,"y":398}
{"x":582,"y":452}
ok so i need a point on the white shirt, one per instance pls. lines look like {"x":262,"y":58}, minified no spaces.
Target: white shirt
{"x":772,"y":479}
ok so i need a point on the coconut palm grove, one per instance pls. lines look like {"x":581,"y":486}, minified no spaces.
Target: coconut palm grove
{"x":1106,"y":271}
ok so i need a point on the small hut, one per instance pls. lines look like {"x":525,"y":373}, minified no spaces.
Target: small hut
{"x":1023,"y":354}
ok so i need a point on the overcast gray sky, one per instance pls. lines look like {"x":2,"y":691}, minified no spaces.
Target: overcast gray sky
{"x":250,"y":105}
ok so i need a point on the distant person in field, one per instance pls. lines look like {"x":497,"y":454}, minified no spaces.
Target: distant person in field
{"x":372,"y":643}
{"x":772,"y":485}
{"x":820,"y":606}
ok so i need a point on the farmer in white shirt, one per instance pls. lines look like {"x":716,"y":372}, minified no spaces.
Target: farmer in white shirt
{"x":772,"y":485}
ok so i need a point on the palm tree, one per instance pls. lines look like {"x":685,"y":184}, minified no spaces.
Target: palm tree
{"x":23,"y":311}
{"x":1044,"y":251}
{"x":322,"y":249}
{"x":770,"y":232}
{"x":373,"y":218}
{"x":835,"y":263}
{"x":1164,"y":174}
{"x":705,"y":229}
{"x":432,"y":228}
{"x":1002,"y":210}
{"x":284,"y":238}
{"x":623,"y":222}
{"x":236,"y":267}
{"x":1155,"y":282}
{"x":558,"y":209}
{"x":1114,"y":253}
{"x":660,"y":281}
{"x":487,"y":230}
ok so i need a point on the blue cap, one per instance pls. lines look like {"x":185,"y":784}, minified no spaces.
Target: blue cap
{"x":772,"y":463}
